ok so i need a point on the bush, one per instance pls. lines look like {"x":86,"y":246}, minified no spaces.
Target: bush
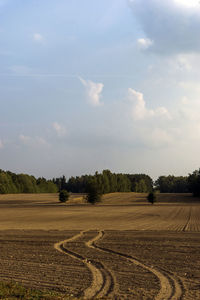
{"x":151,"y":197}
{"x":63,"y":196}
{"x":93,"y":195}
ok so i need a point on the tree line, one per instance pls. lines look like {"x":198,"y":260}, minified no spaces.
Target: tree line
{"x":11,"y":183}
{"x":179,"y":184}
{"x":106,"y":182}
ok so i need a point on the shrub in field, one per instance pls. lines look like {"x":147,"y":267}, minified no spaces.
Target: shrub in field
{"x":151,"y":197}
{"x":93,"y":194}
{"x":63,"y":196}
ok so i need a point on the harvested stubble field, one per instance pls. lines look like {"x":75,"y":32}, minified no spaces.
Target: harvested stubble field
{"x":122,"y":248}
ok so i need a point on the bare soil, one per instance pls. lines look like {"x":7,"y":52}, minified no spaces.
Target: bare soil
{"x":123,"y":248}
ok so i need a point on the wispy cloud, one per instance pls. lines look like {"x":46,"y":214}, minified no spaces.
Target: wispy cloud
{"x":60,"y":129}
{"x":139,"y":109}
{"x":159,"y":137}
{"x":33,"y":141}
{"x":93,"y":91}
{"x":37,"y":37}
{"x":144,"y":43}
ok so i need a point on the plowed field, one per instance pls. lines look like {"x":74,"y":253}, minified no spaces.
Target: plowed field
{"x":115,"y":250}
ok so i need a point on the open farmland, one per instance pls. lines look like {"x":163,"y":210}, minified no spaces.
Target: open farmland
{"x":122,"y":248}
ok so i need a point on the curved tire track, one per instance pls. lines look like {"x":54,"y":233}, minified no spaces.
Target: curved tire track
{"x":170,"y":287}
{"x":109,"y":282}
{"x":102,"y":283}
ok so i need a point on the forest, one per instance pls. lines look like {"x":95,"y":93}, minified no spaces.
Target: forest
{"x":107,"y":182}
{"x":11,"y":183}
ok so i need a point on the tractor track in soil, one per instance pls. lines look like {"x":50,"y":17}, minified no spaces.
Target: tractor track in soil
{"x":103,"y":282}
{"x":171,"y":287}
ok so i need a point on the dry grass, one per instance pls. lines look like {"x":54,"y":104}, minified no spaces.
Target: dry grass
{"x":120,"y":211}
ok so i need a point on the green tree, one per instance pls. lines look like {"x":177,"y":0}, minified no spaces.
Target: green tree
{"x":93,"y":193}
{"x":151,"y":197}
{"x":63,"y":196}
{"x":140,"y":186}
{"x":140,"y":183}
{"x":6,"y":184}
{"x":194,"y":183}
{"x":172,"y":184}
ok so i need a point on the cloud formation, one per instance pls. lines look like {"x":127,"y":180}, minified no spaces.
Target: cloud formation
{"x":173,"y":25}
{"x":159,"y":137}
{"x":140,"y":111}
{"x":93,"y":91}
{"x":60,"y":130}
{"x":32,"y":141}
{"x":144,"y":43}
{"x":37,"y":37}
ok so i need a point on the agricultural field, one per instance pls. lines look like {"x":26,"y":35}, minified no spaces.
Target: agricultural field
{"x":122,"y":248}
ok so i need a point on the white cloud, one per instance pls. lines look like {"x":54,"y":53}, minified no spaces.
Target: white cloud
{"x":33,"y":141}
{"x":173,"y":25}
{"x":189,"y":110}
{"x":144,"y":43}
{"x":139,"y":110}
{"x":186,"y":3}
{"x":160,"y":137}
{"x":93,"y":91}
{"x":37,"y":37}
{"x":190,"y":86}
{"x":184,"y":63}
{"x":60,"y":130}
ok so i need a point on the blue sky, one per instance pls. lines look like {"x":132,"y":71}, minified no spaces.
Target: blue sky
{"x":92,"y":85}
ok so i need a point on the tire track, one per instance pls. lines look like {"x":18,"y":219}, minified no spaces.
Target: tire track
{"x":109,"y":281}
{"x":178,"y":287}
{"x":170,"y":287}
{"x":102,"y":280}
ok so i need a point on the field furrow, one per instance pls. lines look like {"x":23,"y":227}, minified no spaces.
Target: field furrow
{"x":140,"y":251}
{"x":167,"y":291}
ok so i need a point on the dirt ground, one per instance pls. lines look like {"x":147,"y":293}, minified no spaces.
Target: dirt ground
{"x":118,"y":211}
{"x":123,"y":248}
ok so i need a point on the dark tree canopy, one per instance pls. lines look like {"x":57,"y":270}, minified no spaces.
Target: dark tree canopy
{"x":93,"y":193}
{"x":172,"y":184}
{"x":151,"y":197}
{"x":140,"y":183}
{"x":108,"y":182}
{"x":63,"y":196}
{"x":194,"y":183}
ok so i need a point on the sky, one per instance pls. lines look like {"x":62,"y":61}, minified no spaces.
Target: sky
{"x":93,"y":85}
